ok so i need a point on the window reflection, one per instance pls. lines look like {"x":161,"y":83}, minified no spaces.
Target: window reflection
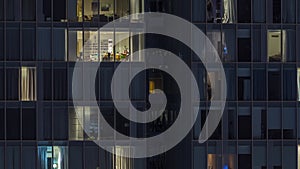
{"x":220,"y":11}
{"x":52,"y":157}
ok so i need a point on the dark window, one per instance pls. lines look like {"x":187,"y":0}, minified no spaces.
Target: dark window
{"x":45,"y":122}
{"x":59,"y":47}
{"x":2,"y":126}
{"x":289,"y":11}
{"x":244,"y":11}
{"x":13,"y":123}
{"x":244,"y":156}
{"x":28,"y":44}
{"x":244,"y":45}
{"x":44,"y":10}
{"x":1,"y":10}
{"x":259,"y":84}
{"x":274,"y":85}
{"x":12,"y":43}
{"x":28,"y":10}
{"x":13,"y":155}
{"x":60,"y":83}
{"x":198,"y":8}
{"x":91,"y":156}
{"x":28,"y":123}
{"x":274,"y":11}
{"x":60,"y":124}
{"x":29,"y":156}
{"x":244,"y":88}
{"x":44,"y":44}
{"x":12,"y":10}
{"x":12,"y":84}
{"x":289,"y":84}
{"x":259,"y":11}
{"x":244,"y":123}
{"x":59,"y":10}
{"x":2,"y":91}
{"x":47,"y":83}
{"x":1,"y":42}
{"x":76,"y":155}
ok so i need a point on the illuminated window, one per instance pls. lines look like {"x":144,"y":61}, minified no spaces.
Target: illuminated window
{"x":276,"y":46}
{"x":121,"y":162}
{"x":28,"y":84}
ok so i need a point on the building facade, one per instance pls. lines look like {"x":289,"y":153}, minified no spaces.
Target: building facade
{"x":41,"y":40}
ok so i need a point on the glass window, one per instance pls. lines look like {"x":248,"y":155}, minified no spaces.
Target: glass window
{"x":2,"y":160}
{"x":60,"y":45}
{"x":44,"y":44}
{"x":13,"y":154}
{"x":2,"y":126}
{"x":1,"y":40}
{"x":289,"y":11}
{"x":76,"y":131}
{"x":12,"y":84}
{"x":229,"y":43}
{"x":276,"y":45}
{"x":28,"y":123}
{"x":230,"y":122}
{"x":28,"y":10}
{"x":28,"y":44}
{"x":259,"y":121}
{"x":274,"y":87}
{"x":274,"y":122}
{"x":198,"y":8}
{"x":12,"y":10}
{"x":74,"y":10}
{"x":91,"y":153}
{"x":13,"y":43}
{"x":298,"y":82}
{"x":289,"y":121}
{"x":13,"y":122}
{"x":1,"y":10}
{"x":45,"y":122}
{"x":289,"y":154}
{"x":259,"y":11}
{"x":289,"y":83}
{"x":244,"y":83}
{"x":244,"y":155}
{"x":52,"y":157}
{"x":60,"y":82}
{"x":44,"y":10}
{"x":274,"y":154}
{"x":214,"y":151}
{"x":274,"y":11}
{"x":28,"y":83}
{"x":2,"y":83}
{"x":259,"y":155}
{"x":121,"y":161}
{"x":244,"y":122}
{"x":221,"y":11}
{"x":244,"y":45}
{"x":259,"y":43}
{"x":244,"y":11}
{"x":199,"y":156}
{"x":76,"y":156}
{"x":46,"y":79}
{"x":290,"y":43}
{"x":259,"y":83}
{"x":59,"y":10}
{"x":29,"y":156}
{"x":60,"y":123}
{"x":229,"y":155}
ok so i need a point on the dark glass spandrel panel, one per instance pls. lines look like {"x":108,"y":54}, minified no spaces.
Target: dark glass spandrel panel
{"x":28,"y":44}
{"x":13,"y":43}
{"x":29,"y":157}
{"x":12,"y":8}
{"x":13,"y":155}
{"x":28,"y":123}
{"x":60,"y":124}
{"x":199,"y":9}
{"x":59,"y":47}
{"x":12,"y":84}
{"x":289,"y":11}
{"x":47,"y":83}
{"x":44,"y":44}
{"x":28,"y":10}
{"x":259,"y":11}
{"x":13,"y":120}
